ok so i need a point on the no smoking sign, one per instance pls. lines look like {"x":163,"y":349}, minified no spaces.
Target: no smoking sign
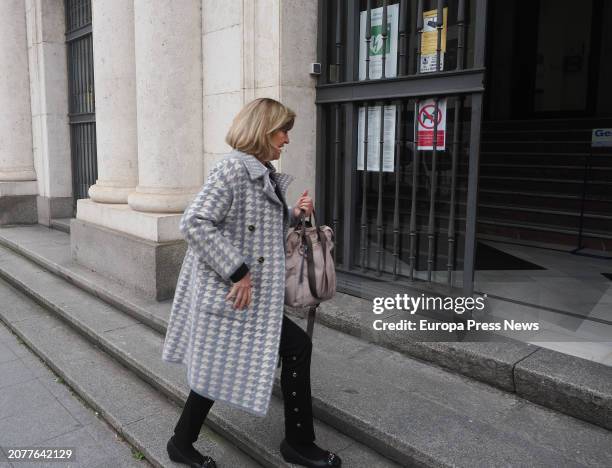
{"x":426,"y":121}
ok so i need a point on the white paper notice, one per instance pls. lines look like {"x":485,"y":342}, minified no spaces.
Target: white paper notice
{"x":374,"y":138}
{"x":376,"y":43}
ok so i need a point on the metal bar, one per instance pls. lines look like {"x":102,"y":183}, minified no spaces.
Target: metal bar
{"x":338,"y":38}
{"x":368,"y":38}
{"x":322,"y":42}
{"x":379,"y":214}
{"x":480,"y":33}
{"x":364,"y":226}
{"x":398,"y":149}
{"x":451,"y":217}
{"x":350,"y":184}
{"x":79,"y":158}
{"x":384,"y":34}
{"x":75,"y":168}
{"x":352,"y":45}
{"x":432,"y":194}
{"x":79,"y":76}
{"x":474,"y":158}
{"x":73,"y":35}
{"x":92,"y":88}
{"x":95,"y":153}
{"x":321,"y":155}
{"x":86,"y":159}
{"x":472,"y":197}
{"x":336,"y":210}
{"x":78,"y":33}
{"x":442,"y":83}
{"x":439,"y":26}
{"x":83,"y":68}
{"x":419,"y":28}
{"x":85,"y":117}
{"x":71,"y":106}
{"x":72,"y":152}
{"x":402,"y":37}
{"x":415,"y":181}
{"x":86,"y":100}
{"x":460,"y":34}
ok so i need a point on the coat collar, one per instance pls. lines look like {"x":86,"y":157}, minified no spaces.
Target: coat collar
{"x":258,"y":170}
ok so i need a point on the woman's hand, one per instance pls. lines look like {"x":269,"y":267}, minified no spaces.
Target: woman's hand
{"x":303,"y":203}
{"x":241,"y":292}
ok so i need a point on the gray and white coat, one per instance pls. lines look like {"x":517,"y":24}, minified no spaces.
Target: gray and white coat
{"x":237,"y":218}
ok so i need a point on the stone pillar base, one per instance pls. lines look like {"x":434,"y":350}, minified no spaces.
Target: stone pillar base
{"x":18,"y":202}
{"x":149,"y":268}
{"x":53,"y":208}
{"x":18,"y":209}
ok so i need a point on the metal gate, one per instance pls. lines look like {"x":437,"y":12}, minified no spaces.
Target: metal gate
{"x":81,"y":99}
{"x":400,"y":213}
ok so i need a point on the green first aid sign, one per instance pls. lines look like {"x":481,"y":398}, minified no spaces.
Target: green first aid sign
{"x":602,"y":137}
{"x":376,"y":46}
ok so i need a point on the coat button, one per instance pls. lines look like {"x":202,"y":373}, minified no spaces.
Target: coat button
{"x":251,"y":227}
{"x":294,"y":375}
{"x":296,"y":409}
{"x":260,"y":259}
{"x":298,"y":425}
{"x":293,"y":394}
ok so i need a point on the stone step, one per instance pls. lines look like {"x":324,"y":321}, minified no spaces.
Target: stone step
{"x":61,"y":224}
{"x":138,"y":347}
{"x":136,"y":410}
{"x":414,"y":412}
{"x":494,"y":363}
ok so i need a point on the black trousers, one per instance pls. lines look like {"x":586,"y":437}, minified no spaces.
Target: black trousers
{"x":295,"y":351}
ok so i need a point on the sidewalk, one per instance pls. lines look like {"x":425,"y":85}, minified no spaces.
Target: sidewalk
{"x":38,"y":410}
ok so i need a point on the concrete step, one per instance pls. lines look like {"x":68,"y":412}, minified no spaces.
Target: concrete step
{"x":61,"y":224}
{"x":136,"y":410}
{"x":493,"y":363}
{"x":138,"y":348}
{"x":347,"y":384}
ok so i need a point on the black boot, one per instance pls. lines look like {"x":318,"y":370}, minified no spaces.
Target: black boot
{"x":188,"y":456}
{"x":310,"y":456}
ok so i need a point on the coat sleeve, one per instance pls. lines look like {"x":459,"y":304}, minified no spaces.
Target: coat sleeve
{"x":293,"y":220}
{"x":199,"y":224}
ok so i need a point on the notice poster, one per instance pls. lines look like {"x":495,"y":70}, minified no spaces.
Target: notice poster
{"x":426,"y":117}
{"x":374,"y":138}
{"x":376,"y":43}
{"x":429,"y":41}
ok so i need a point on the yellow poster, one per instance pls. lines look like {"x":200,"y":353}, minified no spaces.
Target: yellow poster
{"x":429,"y":40}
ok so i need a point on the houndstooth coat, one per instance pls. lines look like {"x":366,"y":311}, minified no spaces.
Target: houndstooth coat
{"x":231,"y":354}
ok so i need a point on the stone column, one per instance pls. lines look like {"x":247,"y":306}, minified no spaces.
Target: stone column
{"x":169,"y":104}
{"x":16,"y":160}
{"x":113,"y":44}
{"x":17,"y":191}
{"x":46,"y":31}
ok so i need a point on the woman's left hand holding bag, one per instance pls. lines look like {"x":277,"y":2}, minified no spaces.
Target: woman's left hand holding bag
{"x":304,"y":203}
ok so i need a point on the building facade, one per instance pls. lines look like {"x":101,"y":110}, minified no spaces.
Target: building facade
{"x":114,"y":111}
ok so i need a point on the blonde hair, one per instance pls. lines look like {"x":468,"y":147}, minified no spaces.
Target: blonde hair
{"x":252,"y":128}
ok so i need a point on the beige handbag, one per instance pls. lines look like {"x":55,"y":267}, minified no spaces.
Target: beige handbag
{"x":310,"y":276}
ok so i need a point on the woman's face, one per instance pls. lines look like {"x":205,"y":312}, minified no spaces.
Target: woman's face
{"x":278,"y":139}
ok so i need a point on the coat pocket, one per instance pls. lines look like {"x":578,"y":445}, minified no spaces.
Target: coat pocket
{"x":216,"y":304}
{"x":228,"y":311}
{"x":211,"y":293}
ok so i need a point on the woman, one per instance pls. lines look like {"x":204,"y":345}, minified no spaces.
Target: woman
{"x":227,"y":324}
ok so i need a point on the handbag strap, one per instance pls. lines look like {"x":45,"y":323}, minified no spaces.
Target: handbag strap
{"x":312,"y":279}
